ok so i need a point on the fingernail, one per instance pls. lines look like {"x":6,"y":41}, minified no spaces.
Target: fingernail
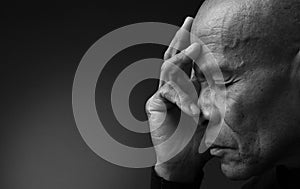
{"x":195,"y":110}
{"x":193,"y":51}
{"x":187,"y":21}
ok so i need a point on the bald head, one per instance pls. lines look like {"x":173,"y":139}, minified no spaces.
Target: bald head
{"x":255,"y":43}
{"x":250,"y":30}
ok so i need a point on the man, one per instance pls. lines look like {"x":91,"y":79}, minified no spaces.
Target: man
{"x":256,"y":44}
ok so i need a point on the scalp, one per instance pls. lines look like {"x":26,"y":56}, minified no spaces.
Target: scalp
{"x":253,"y":30}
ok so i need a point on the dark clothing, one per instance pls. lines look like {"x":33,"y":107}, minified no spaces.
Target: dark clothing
{"x":159,"y":183}
{"x":277,"y":178}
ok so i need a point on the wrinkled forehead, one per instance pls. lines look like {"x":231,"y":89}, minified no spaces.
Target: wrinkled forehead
{"x":212,"y":26}
{"x":214,"y":16}
{"x":249,"y":35}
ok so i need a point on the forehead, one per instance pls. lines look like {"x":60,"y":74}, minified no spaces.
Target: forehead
{"x":212,"y":25}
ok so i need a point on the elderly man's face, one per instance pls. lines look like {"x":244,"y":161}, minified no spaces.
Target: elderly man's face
{"x":259,"y":117}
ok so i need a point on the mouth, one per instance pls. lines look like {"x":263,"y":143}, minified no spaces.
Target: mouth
{"x":219,"y":151}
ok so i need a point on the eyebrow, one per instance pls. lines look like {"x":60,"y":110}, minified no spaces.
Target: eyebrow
{"x":228,"y":71}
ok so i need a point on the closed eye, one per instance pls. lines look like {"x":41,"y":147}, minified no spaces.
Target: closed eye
{"x":231,"y":82}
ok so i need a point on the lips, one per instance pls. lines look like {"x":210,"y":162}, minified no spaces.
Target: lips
{"x":218,"y":150}
{"x":220,"y":146}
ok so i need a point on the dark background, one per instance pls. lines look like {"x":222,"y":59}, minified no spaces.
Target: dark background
{"x":43,"y":44}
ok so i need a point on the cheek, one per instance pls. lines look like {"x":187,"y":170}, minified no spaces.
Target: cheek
{"x":240,"y":116}
{"x":249,"y":147}
{"x":248,"y":114}
{"x":245,"y":161}
{"x":243,"y":121}
{"x":248,"y":103}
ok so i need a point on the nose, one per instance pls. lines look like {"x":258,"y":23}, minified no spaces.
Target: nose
{"x":211,"y":113}
{"x":212,"y":103}
{"x":205,"y":102}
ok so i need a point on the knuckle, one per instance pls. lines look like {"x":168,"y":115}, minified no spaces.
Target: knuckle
{"x":181,"y":58}
{"x":175,"y":62}
{"x":171,"y":85}
{"x":148,"y":104}
{"x":169,"y":90}
{"x":165,"y":66}
{"x":167,"y":87}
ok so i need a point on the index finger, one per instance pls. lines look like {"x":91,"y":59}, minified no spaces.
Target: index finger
{"x":181,"y":39}
{"x":180,"y":64}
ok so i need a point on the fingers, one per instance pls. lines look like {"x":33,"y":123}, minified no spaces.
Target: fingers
{"x":179,"y":66}
{"x":174,"y":94}
{"x":181,"y":39}
{"x":168,"y":95}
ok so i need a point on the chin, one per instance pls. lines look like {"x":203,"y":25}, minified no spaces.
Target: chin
{"x":237,"y":171}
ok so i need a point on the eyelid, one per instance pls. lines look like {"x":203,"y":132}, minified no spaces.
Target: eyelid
{"x":232,"y":79}
{"x":228,"y":77}
{"x":201,"y":78}
{"x":231,"y":82}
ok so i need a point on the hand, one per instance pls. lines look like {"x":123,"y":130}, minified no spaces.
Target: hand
{"x":177,"y":92}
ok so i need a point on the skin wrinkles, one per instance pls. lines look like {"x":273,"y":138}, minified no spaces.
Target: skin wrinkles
{"x":254,"y":42}
{"x":213,"y":31}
